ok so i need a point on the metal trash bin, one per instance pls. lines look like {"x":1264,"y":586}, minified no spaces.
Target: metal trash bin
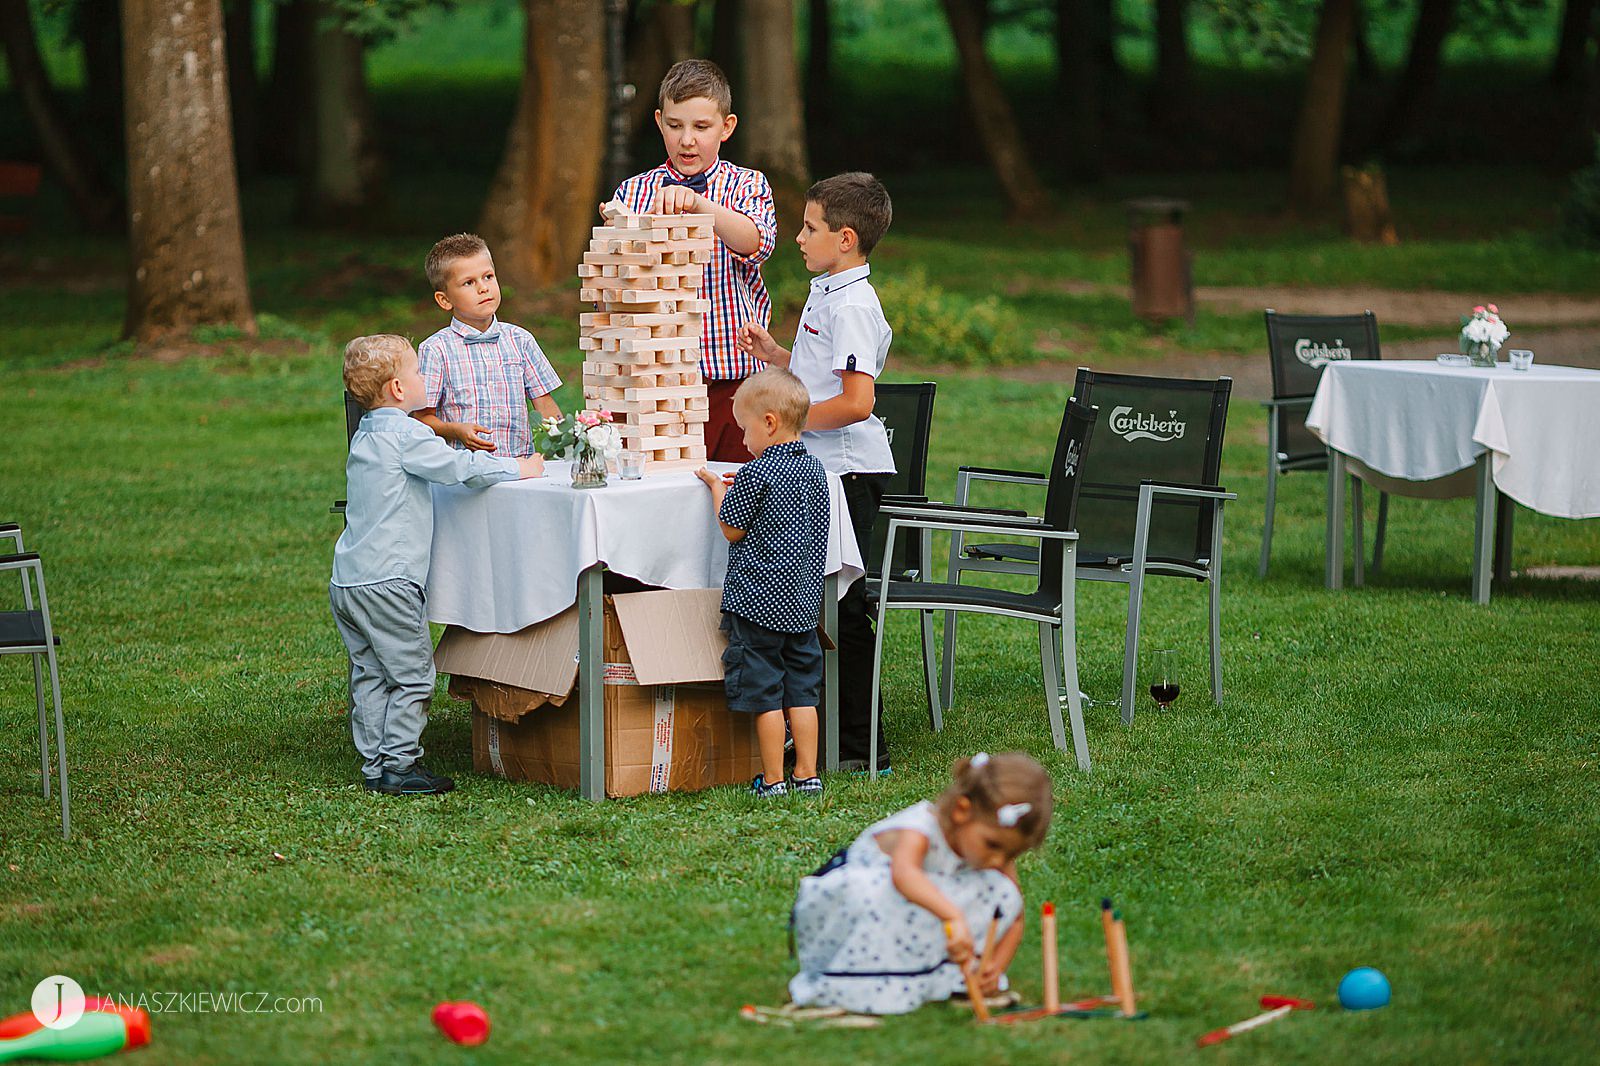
{"x":1163,"y":283}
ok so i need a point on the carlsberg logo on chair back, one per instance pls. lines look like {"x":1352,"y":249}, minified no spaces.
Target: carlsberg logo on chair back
{"x":1139,"y":425}
{"x":1315,"y":355}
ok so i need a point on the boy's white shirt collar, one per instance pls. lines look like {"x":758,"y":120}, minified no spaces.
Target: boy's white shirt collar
{"x":830,"y":282}
{"x":467,"y":331}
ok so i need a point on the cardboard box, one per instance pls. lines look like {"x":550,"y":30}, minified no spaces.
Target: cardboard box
{"x":667,"y":726}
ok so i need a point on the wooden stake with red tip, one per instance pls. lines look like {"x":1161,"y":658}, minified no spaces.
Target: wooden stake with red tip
{"x":1052,"y":972}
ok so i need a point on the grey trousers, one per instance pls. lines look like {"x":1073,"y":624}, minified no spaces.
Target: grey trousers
{"x":385,"y":629}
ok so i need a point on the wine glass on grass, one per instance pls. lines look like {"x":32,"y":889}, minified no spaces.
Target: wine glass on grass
{"x":1163,"y":682}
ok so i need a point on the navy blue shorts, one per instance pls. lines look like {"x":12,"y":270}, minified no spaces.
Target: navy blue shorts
{"x":764,"y":670}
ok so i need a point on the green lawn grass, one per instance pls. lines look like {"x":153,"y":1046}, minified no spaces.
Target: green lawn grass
{"x":1398,"y":778}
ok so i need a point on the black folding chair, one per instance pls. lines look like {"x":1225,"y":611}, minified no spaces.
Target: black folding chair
{"x":906,"y":412}
{"x":1049,"y":604}
{"x":1149,"y":503}
{"x":352,"y":419}
{"x":1299,"y":347}
{"x":29,"y":632}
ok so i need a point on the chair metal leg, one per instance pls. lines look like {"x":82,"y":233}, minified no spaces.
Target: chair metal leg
{"x":61,"y":749}
{"x":1272,"y":493}
{"x":1051,"y":671}
{"x":1130,"y":655}
{"x":1216,"y":604}
{"x":877,"y":662}
{"x":947,"y":665}
{"x":1333,"y":549}
{"x":1067,"y":634}
{"x":1357,"y":534}
{"x":930,"y":671}
{"x":1383,"y":527}
{"x":44,"y":738}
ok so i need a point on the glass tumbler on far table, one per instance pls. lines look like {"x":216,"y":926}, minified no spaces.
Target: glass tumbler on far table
{"x":1163,"y":681}
{"x":1521,"y":358}
{"x":630,"y":464}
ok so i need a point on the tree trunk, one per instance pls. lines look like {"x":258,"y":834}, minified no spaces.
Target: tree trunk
{"x":819,"y":77}
{"x":662,"y":39}
{"x":1172,"y":62}
{"x":1366,"y":206}
{"x":542,"y":202}
{"x":1080,"y":81}
{"x":1414,"y":92}
{"x":185,"y":241}
{"x":92,"y":197}
{"x":773,"y":130}
{"x":1366,"y":63}
{"x":1317,"y":131}
{"x":282,"y":119}
{"x":239,"y":27}
{"x":727,"y":18}
{"x":997,"y":125}
{"x":97,"y":24}
{"x":341,"y":174}
{"x":1577,"y":20}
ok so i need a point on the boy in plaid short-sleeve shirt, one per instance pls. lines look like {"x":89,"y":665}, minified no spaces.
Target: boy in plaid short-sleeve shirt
{"x":479,"y":372}
{"x":695,"y":116}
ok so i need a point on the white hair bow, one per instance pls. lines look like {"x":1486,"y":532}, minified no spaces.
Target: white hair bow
{"x":979,"y":760}
{"x":1012,"y":813}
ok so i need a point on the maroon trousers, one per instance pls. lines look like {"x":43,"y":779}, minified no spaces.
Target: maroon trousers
{"x":724,"y":438}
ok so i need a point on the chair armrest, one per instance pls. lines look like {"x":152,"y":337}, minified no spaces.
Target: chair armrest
{"x":12,"y":530}
{"x":1178,"y":488}
{"x":894,"y":498}
{"x":953,"y":509}
{"x":992,"y":525}
{"x":989,"y":473}
{"x":17,"y":562}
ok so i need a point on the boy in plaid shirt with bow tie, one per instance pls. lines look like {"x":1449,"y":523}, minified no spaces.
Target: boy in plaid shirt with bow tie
{"x":695,"y":115}
{"x":478,"y":373}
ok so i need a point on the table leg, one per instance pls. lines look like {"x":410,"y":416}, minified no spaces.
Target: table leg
{"x":591,"y":693}
{"x":830,"y":673}
{"x":1505,"y":515}
{"x":1334,"y":549}
{"x":1483,"y":530}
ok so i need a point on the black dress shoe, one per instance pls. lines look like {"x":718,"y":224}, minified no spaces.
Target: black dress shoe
{"x":413,"y":781}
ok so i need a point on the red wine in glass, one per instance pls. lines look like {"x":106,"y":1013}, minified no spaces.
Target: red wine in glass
{"x":1163,"y":682}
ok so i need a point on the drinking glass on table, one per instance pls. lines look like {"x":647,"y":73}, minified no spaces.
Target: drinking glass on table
{"x":1163,"y":681}
{"x":630,"y":464}
{"x":1521,"y":359}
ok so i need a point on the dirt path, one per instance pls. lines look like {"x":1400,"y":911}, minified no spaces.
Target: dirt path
{"x":1412,"y":308}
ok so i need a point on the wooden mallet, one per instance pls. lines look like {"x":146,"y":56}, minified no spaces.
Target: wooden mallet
{"x":1275,"y":1007}
{"x":980,"y":1009}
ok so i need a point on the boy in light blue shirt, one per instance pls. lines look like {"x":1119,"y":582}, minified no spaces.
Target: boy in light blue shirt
{"x":380,"y":564}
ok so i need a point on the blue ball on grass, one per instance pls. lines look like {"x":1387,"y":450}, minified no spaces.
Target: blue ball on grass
{"x":1364,"y":989}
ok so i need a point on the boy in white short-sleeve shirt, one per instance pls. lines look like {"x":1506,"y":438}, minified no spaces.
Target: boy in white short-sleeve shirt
{"x":838,"y":353}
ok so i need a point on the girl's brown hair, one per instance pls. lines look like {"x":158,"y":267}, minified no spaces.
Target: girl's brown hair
{"x":993,"y":781}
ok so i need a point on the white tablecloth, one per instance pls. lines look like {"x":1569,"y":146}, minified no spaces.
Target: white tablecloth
{"x":508,"y":556}
{"x":1420,"y":421}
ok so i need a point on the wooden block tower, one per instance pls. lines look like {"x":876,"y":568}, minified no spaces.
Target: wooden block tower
{"x":642,"y":344}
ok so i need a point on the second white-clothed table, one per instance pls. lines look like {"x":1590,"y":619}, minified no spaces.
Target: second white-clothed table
{"x":517,"y":553}
{"x":1424,"y":429}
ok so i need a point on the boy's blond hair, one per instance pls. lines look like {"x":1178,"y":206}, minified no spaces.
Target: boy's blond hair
{"x":855,"y":199}
{"x":779,"y":391}
{"x":371,"y":362}
{"x":441,"y":255}
{"x":690,"y":78}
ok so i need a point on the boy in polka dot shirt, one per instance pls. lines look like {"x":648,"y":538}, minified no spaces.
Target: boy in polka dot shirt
{"x":774,"y":512}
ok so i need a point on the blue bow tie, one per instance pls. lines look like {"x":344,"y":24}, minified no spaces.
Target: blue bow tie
{"x":695,"y":182}
{"x":487,"y":337}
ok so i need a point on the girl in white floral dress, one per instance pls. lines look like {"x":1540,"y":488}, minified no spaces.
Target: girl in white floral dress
{"x":887,"y":924}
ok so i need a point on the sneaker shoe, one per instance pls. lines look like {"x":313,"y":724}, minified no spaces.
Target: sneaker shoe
{"x":370,"y":784}
{"x":806,"y":786}
{"x":413,"y":781}
{"x":761,"y":789}
{"x":859,"y":767}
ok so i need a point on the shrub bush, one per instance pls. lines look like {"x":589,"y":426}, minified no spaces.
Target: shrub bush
{"x":1580,"y":213}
